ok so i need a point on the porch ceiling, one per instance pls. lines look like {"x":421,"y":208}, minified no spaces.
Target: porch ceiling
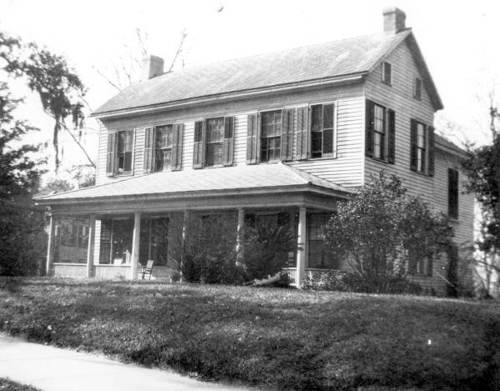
{"x":242,"y":180}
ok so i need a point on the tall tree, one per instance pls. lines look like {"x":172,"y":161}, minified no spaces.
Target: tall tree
{"x":59,"y":88}
{"x":483,"y":169}
{"x":21,"y":226}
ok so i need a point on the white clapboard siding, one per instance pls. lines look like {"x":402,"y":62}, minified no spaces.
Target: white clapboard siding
{"x":102,"y":156}
{"x":399,"y":97}
{"x":347,"y":168}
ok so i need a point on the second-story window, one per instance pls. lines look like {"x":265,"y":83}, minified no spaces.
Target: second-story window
{"x":270,"y":139}
{"x":163,"y":147}
{"x":321,"y":130}
{"x":422,"y":148}
{"x":387,"y":72}
{"x":380,"y":132}
{"x":215,"y":141}
{"x":124,"y":151}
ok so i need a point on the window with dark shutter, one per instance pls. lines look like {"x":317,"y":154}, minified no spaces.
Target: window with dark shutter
{"x":369,"y":118}
{"x":270,"y":137}
{"x":124,"y":150}
{"x":215,"y":142}
{"x":430,"y":150}
{"x":149,"y":142}
{"x":322,"y":130}
{"x":111,"y":155}
{"x":199,"y":144}
{"x":453,"y":193}
{"x":302,"y":134}
{"x":287,"y":133}
{"x":228,"y":153}
{"x":413,"y":145}
{"x":391,"y":130}
{"x":177,"y":147}
{"x":164,"y":142}
{"x":252,"y":139}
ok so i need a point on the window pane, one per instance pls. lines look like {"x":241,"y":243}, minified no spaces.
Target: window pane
{"x":215,"y":130}
{"x":316,"y":117}
{"x":214,"y":154}
{"x":316,"y":144}
{"x":127,"y":162}
{"x":378,"y":122}
{"x":377,"y":145}
{"x":271,"y":135}
{"x":328,"y":116}
{"x":164,"y":136}
{"x":328,"y":141}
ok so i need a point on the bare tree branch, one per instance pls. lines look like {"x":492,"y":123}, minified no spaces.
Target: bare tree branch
{"x":107,"y":79}
{"x":179,"y":50}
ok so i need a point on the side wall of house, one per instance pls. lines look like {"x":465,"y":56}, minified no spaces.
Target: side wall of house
{"x":346,"y":169}
{"x":433,"y":189}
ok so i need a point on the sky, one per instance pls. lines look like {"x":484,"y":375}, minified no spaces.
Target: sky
{"x":459,"y":41}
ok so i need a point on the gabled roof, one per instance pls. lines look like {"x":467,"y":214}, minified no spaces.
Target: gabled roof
{"x":201,"y":183}
{"x":331,"y":61}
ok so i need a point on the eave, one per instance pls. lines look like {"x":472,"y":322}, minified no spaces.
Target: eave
{"x":242,"y":94}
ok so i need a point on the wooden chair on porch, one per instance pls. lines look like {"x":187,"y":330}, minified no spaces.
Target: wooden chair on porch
{"x":147,"y":270}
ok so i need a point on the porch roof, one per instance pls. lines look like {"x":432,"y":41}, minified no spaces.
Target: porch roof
{"x":244,"y":179}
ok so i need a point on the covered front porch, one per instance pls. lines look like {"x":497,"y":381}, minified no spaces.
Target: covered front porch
{"x":94,"y":235}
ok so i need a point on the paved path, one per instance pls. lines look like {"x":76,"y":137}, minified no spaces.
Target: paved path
{"x":54,"y":369}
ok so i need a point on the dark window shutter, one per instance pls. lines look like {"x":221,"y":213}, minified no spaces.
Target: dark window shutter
{"x":369,"y":118}
{"x":413,"y":145}
{"x":252,"y":139}
{"x":302,"y":133}
{"x":111,"y":163}
{"x":430,"y":262}
{"x":228,"y":152}
{"x":199,"y":144}
{"x":177,"y":145}
{"x":287,"y":131}
{"x":453,"y":193}
{"x":391,"y":143}
{"x":430,"y":150}
{"x":149,"y":146}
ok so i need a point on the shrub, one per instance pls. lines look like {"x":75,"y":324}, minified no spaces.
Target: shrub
{"x":267,"y":248}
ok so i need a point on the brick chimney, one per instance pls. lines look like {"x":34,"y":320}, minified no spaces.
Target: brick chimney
{"x":153,"y":66}
{"x":394,"y":20}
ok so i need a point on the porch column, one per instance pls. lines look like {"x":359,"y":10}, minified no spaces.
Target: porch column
{"x":240,"y":235}
{"x":90,"y":247}
{"x":50,"y":246}
{"x":185,"y":223}
{"x":136,"y":236}
{"x":303,"y":247}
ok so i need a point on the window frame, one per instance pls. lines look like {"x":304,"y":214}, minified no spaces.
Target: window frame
{"x":277,"y":139}
{"x":426,"y":152}
{"x":219,"y":143}
{"x":164,"y":149}
{"x":387,"y":75}
{"x":324,"y":155}
{"x":417,"y":88}
{"x":122,"y":171}
{"x":453,"y":198}
{"x":421,"y":149}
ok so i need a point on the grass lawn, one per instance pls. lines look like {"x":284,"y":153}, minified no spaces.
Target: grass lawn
{"x":9,"y":385}
{"x":272,"y":338}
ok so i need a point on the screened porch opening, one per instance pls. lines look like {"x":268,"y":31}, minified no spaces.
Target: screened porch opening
{"x":71,"y":240}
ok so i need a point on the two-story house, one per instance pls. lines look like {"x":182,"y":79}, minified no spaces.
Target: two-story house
{"x":292,"y":132}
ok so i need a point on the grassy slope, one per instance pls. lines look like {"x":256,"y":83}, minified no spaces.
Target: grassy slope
{"x":9,"y":385}
{"x":279,"y":338}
